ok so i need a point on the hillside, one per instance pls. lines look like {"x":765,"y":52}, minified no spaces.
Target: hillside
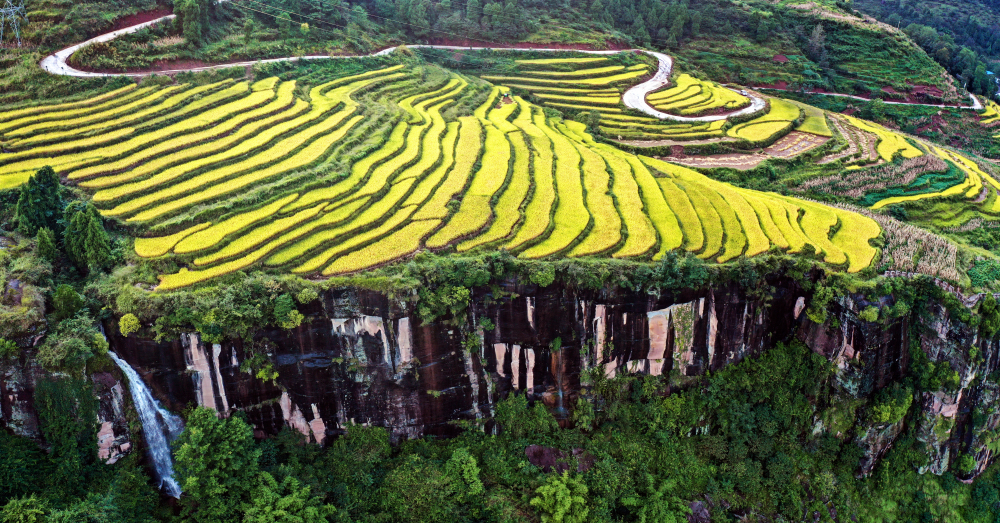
{"x":436,"y":261}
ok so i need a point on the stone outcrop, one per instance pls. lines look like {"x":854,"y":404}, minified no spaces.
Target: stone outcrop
{"x":363,"y":358}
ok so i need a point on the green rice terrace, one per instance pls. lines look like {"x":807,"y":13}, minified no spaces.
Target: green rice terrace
{"x":352,"y":167}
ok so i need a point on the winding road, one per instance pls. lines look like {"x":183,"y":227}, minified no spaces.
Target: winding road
{"x":634,"y":98}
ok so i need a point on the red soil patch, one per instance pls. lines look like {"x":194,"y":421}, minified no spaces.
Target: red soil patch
{"x":780,"y":59}
{"x":549,"y":459}
{"x":161,"y":66}
{"x":465,"y":42}
{"x":139,"y":18}
{"x":781,"y":84}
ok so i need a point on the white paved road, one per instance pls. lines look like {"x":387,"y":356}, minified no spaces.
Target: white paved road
{"x":634,"y":98}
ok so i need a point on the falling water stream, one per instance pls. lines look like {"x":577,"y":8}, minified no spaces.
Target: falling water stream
{"x":158,"y":424}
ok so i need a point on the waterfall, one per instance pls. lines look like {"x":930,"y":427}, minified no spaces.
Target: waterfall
{"x":158,"y":425}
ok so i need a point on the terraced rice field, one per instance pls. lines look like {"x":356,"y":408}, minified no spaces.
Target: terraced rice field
{"x":375,"y":166}
{"x":690,"y":96}
{"x":991,"y":113}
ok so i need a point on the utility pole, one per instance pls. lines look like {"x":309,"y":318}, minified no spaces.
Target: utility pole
{"x":12,"y":13}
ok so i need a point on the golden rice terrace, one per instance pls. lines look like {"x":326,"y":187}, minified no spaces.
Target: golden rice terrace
{"x":340,"y":176}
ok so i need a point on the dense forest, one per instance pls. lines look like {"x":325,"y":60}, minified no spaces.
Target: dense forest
{"x":962,"y":36}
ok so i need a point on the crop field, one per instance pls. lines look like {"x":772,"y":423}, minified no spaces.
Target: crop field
{"x":991,"y":113}
{"x":690,"y":96}
{"x":376,"y":166}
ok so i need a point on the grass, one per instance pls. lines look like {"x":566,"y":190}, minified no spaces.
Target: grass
{"x":585,"y":100}
{"x":350,"y":233}
{"x":69,"y":162}
{"x":62,"y":112}
{"x":246,"y":141}
{"x":71,"y":123}
{"x":759,"y":132}
{"x":303,"y":158}
{"x":578,"y":107}
{"x":426,"y":188}
{"x":814,"y":121}
{"x":499,"y":117}
{"x":311,"y":143}
{"x":708,"y":218}
{"x":174,"y":107}
{"x":660,"y":212}
{"x":566,"y":90}
{"x":305,"y":187}
{"x":641,"y":236}
{"x":735,"y":240}
{"x":396,"y":141}
{"x":687,"y":217}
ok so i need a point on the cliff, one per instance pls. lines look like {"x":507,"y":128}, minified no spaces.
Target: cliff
{"x":361,"y":357}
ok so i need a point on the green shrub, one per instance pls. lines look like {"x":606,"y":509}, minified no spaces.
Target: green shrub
{"x":8,"y":349}
{"x":128,"y":324}
{"x":891,"y":405}
{"x":66,"y":302}
{"x":562,"y":499}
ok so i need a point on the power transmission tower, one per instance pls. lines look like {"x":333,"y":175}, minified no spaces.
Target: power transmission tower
{"x":12,"y":14}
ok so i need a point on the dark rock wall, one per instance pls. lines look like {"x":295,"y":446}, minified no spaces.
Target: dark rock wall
{"x":361,"y":358}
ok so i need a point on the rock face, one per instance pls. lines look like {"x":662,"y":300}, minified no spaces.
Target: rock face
{"x":18,"y":379}
{"x":361,"y":358}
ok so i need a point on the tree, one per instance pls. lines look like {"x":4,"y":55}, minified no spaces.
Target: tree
{"x":463,"y":469}
{"x":285,"y":502}
{"x":74,"y":236}
{"x":989,"y":311}
{"x":817,"y":43}
{"x":45,"y":245}
{"x":562,"y":499}
{"x":473,"y":11}
{"x":23,"y":510}
{"x":85,"y":239}
{"x":248,"y":28}
{"x":216,"y":463}
{"x":71,"y":344}
{"x":67,"y":412}
{"x":66,"y":302}
{"x":190,"y":17}
{"x":39,"y":202}
{"x":594,"y":120}
{"x":418,"y":17}
{"x":304,"y":31}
